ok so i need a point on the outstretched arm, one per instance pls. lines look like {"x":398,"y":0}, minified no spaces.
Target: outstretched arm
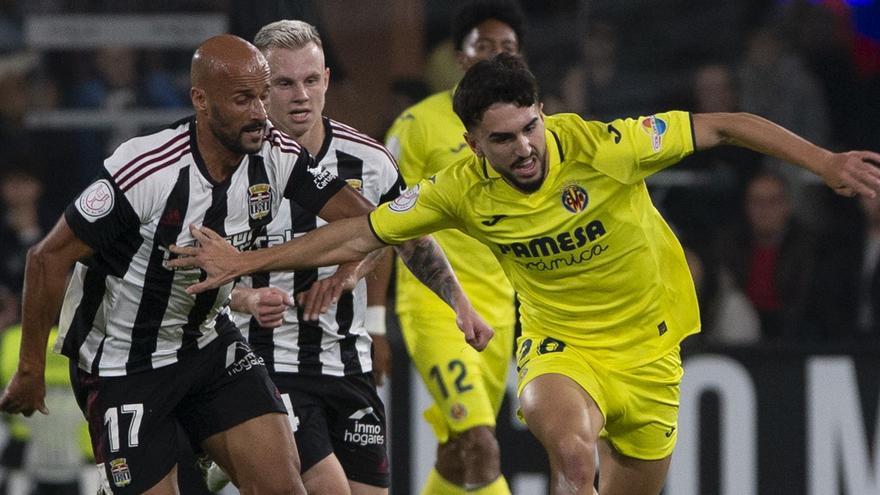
{"x":425,"y":259}
{"x":48,"y":264}
{"x":849,"y":174}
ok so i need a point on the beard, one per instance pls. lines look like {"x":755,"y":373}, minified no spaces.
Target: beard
{"x":234,"y":139}
{"x":532,"y":185}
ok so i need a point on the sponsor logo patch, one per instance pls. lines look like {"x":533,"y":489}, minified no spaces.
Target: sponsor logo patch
{"x":119,"y":472}
{"x":655,"y":128}
{"x":259,"y":201}
{"x":240,"y":357}
{"x":96,"y":201}
{"x":366,"y":428}
{"x":321,"y":176}
{"x":574,"y":198}
{"x":406,"y":200}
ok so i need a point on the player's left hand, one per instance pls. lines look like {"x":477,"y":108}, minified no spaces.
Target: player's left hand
{"x":212,"y":253}
{"x":853,"y":173}
{"x":476,"y":331}
{"x":325,"y":292}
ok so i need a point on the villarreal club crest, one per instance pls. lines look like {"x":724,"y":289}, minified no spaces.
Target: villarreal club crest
{"x":574,"y":198}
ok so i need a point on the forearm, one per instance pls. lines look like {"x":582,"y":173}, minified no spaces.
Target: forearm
{"x":44,"y":284}
{"x":338,"y":242}
{"x":380,"y":278}
{"x":239,"y":298}
{"x":761,"y":135}
{"x":426,"y":261}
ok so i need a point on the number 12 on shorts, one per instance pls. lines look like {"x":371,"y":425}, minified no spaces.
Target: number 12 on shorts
{"x":111,"y":419}
{"x":458,"y":369}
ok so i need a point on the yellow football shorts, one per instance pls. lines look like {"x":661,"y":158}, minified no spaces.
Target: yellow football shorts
{"x":467,"y":386}
{"x":640,"y":405}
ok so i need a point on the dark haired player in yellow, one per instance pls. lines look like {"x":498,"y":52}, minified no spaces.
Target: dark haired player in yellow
{"x":467,"y":387}
{"x":606,"y":294}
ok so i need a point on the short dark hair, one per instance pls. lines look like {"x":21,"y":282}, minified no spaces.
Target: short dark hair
{"x":501,"y":79}
{"x":475,"y":12}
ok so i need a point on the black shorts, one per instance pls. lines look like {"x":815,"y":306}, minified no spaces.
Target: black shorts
{"x":134,"y":420}
{"x":342,"y":416}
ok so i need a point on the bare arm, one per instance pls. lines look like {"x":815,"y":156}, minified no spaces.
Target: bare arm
{"x":377,"y":294}
{"x":48,"y":264}
{"x":850,"y":173}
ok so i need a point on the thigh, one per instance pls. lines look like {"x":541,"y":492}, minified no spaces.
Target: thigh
{"x":257,"y":454}
{"x":131,"y":424}
{"x":326,"y":478}
{"x":308,"y":416}
{"x":622,"y":475}
{"x":233,"y":387}
{"x":644,"y":424}
{"x":453,"y":373}
{"x":357,"y":426}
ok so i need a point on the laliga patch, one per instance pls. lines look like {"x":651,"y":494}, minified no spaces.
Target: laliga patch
{"x":96,"y":201}
{"x":654,"y":127}
{"x":574,"y":198}
{"x":259,"y":201}
{"x":406,"y":200}
{"x":120,"y":472}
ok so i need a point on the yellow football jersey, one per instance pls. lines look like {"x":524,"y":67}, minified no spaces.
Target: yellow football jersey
{"x":592,"y":260}
{"x":426,"y":138}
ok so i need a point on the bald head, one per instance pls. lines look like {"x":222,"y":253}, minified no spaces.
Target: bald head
{"x":223,"y":57}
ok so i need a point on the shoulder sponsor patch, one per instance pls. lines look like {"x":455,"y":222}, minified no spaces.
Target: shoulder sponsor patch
{"x":655,"y":128}
{"x":96,"y":201}
{"x":406,"y":200}
{"x":321,"y":176}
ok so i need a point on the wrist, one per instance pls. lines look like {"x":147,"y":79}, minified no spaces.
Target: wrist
{"x":374,"y":320}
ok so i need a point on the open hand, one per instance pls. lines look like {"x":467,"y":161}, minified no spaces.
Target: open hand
{"x":854,"y":173}
{"x":212,"y":253}
{"x":326,"y":291}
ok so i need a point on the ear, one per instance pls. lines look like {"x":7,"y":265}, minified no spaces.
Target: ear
{"x":541,"y":109}
{"x":473,"y":144}
{"x":326,"y":77}
{"x":199,"y":99}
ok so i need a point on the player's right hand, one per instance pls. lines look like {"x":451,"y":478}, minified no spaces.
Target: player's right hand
{"x":477,"y":333}
{"x":267,"y":305}
{"x":25,"y":394}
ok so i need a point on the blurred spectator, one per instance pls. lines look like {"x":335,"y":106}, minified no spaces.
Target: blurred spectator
{"x":772,"y":258}
{"x":775,"y":84}
{"x":598,"y":86}
{"x":719,"y":174}
{"x":20,"y":228}
{"x":848,"y":306}
{"x":727,"y":315}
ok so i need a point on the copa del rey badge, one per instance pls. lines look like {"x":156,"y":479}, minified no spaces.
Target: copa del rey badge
{"x":259,"y":201}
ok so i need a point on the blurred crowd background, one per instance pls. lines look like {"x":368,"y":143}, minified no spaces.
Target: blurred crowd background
{"x":778,"y":258}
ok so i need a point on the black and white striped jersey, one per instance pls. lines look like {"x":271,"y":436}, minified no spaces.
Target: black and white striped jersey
{"x":124,"y":312}
{"x":337,"y":344}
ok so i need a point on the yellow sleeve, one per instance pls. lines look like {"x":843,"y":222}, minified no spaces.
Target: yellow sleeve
{"x":422,"y":209}
{"x":406,"y":141}
{"x":631,"y":149}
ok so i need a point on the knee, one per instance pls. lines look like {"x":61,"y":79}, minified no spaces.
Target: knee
{"x":479,"y":447}
{"x":575,"y":458}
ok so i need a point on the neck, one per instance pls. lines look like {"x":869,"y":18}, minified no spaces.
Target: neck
{"x":312,"y":139}
{"x":220,"y":161}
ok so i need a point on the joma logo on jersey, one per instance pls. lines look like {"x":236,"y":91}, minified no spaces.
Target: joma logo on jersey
{"x":549,"y":245}
{"x":574,"y":198}
{"x":259,"y":201}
